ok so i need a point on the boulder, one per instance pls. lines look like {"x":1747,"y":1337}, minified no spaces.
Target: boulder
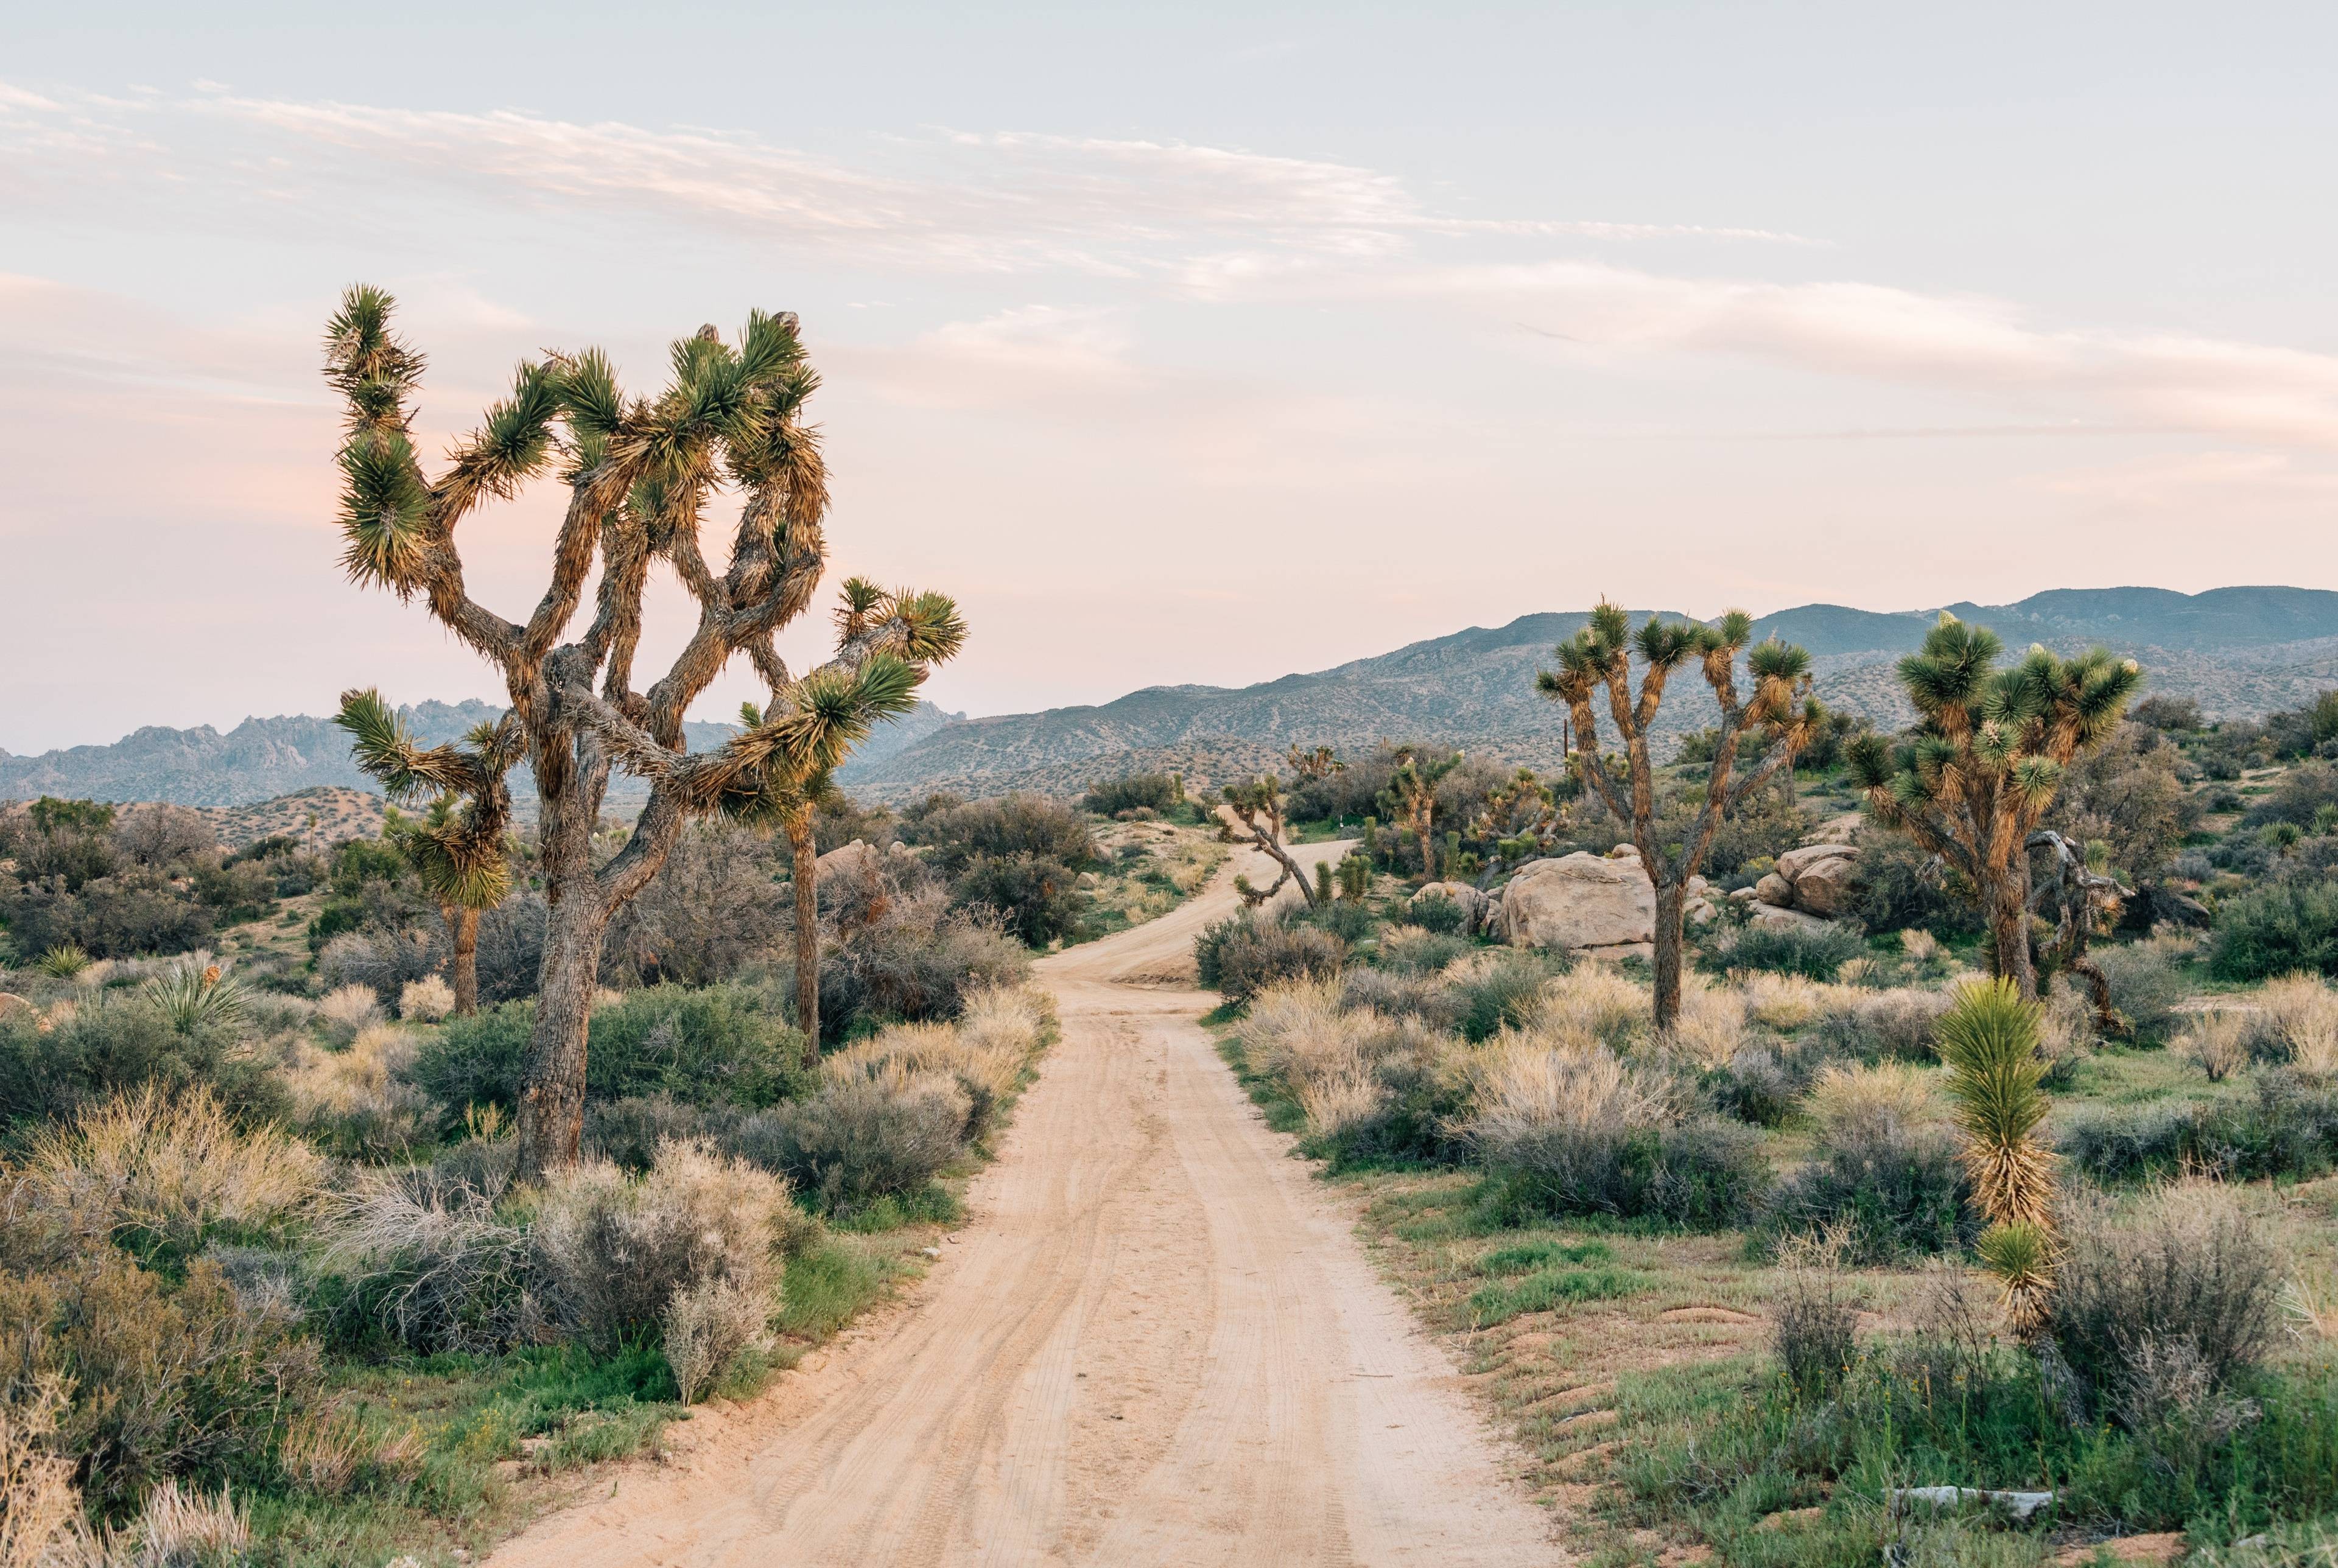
{"x":854,"y":856}
{"x":1836,"y":829}
{"x":1794,"y":862}
{"x":1741,"y":896}
{"x":1776,"y":916}
{"x":1473,"y":903}
{"x":1775,"y":890}
{"x":1581,"y":903}
{"x":1825,"y":887}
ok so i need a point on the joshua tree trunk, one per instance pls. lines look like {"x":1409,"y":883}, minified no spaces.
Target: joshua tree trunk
{"x":552,"y":1105}
{"x":807,"y":891}
{"x":1672,"y":902}
{"x":463,"y":926}
{"x":2008,"y":928}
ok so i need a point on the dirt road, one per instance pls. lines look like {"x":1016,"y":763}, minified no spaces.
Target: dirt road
{"x":1155,"y":1342}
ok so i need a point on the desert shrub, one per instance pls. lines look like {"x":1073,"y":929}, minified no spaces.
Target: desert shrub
{"x":157,"y":1173}
{"x":195,"y":994}
{"x":718,"y":1045}
{"x":2215,"y":1043}
{"x":1814,"y":1329}
{"x":2300,"y":1013}
{"x":1892,"y":1191}
{"x":1417,"y":950}
{"x":112,"y":1044}
{"x":986,"y":1050}
{"x":1374,"y":1088}
{"x":2145,"y":985}
{"x":1506,"y":991}
{"x":2298,"y":797}
{"x":1242,"y":955}
{"x":622,"y":1251}
{"x":2189,"y":1286}
{"x":1758,"y":1085}
{"x":167,"y":1379}
{"x":714,"y":906}
{"x":426,"y":1001}
{"x":41,"y":1520}
{"x":1438,"y":914}
{"x":2286,"y":1543}
{"x":2283,"y":929}
{"x":510,"y":957}
{"x":2169,"y":713}
{"x":1011,"y":824}
{"x":860,"y":1139}
{"x":476,"y":1061}
{"x":1037,"y":897}
{"x":1814,"y":953}
{"x":1575,"y":1131}
{"x":628,"y":1131}
{"x":360,"y":1100}
{"x":346,"y":1009}
{"x":899,"y":951}
{"x":2288,"y":1130}
{"x":2128,"y":794}
{"x":1896,"y":886}
{"x":1396,"y":994}
{"x":384,"y":962}
{"x":429,"y":1264}
{"x":1155,"y":792}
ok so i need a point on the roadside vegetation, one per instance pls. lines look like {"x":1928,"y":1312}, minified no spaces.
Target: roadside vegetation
{"x":1863,"y":1219}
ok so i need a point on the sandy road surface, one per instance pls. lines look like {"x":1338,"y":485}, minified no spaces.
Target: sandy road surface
{"x":1156,"y":1342}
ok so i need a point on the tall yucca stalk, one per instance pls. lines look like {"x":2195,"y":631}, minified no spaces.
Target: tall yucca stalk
{"x":1973,"y":780}
{"x":1989,"y":1042}
{"x":1597,"y":662}
{"x":640,"y":475}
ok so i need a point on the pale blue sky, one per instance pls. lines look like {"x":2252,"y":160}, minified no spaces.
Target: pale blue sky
{"x":1193,"y":345}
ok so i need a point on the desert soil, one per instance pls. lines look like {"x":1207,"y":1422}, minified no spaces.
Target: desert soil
{"x":1155,"y":1341}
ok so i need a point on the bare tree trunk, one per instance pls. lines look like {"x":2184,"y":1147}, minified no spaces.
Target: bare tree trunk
{"x":2007,"y":902}
{"x":1672,"y":902}
{"x":552,"y":1105}
{"x":807,"y":891}
{"x":464,"y":924}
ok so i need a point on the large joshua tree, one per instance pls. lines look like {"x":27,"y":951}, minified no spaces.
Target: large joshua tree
{"x":457,"y":847}
{"x":639,"y":474}
{"x":1598,"y":660}
{"x":1973,"y":780}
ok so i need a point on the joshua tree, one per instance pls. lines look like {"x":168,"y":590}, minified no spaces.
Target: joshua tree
{"x":1986,"y":754}
{"x":456,"y":848}
{"x":639,"y":474}
{"x":1520,"y":818}
{"x":1989,"y":1040}
{"x":1259,"y":806}
{"x":1599,"y":658}
{"x":1411,"y":795}
{"x":1319,"y":763}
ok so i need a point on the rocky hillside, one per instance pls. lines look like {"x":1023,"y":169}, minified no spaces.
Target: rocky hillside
{"x":2240,"y":652}
{"x":262,"y":760}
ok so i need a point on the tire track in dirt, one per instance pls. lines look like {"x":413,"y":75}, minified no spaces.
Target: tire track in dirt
{"x":1156,"y":1342}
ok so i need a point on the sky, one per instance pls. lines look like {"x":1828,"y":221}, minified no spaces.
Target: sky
{"x":1181,"y":344}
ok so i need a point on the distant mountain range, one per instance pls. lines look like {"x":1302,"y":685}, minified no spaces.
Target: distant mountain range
{"x":2239,"y":652}
{"x":263,"y":759}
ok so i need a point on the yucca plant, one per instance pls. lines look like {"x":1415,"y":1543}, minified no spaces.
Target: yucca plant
{"x":639,"y":474}
{"x":194,"y":996}
{"x":1597,"y":661}
{"x":1974,"y":780}
{"x":1989,"y":1040}
{"x":62,"y":961}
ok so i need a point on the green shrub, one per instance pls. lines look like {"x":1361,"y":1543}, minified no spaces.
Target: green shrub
{"x":1242,"y":955}
{"x":1699,"y":1175}
{"x":1505,"y":994}
{"x":2145,"y":987}
{"x":1814,"y":953}
{"x":1417,"y":952}
{"x":860,"y":1140}
{"x":1036,"y":897}
{"x":1548,"y":1287}
{"x":476,"y":1061}
{"x":117,"y":1044}
{"x":2288,"y":1130}
{"x":1437,"y":913}
{"x":1155,"y":792}
{"x":2278,"y":929}
{"x":1894,"y":1192}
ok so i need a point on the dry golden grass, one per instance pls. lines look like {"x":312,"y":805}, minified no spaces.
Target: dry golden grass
{"x":2215,"y":1043}
{"x":1710,"y":1029}
{"x":991,"y":1045}
{"x":167,"y":1166}
{"x":2303,"y":1011}
{"x":1850,"y":1099}
{"x":1597,"y":1000}
{"x":1522,"y":1084}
